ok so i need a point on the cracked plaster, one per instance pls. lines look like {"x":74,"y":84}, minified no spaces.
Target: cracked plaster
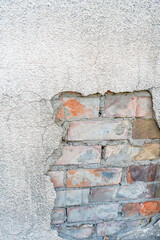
{"x":63,"y":45}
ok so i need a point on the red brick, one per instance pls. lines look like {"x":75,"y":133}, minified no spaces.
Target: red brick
{"x":143,"y":209}
{"x":150,"y":208}
{"x":131,"y":209}
{"x":98,"y":130}
{"x":58,"y":216}
{"x":92,"y":213}
{"x":79,"y":155}
{"x":57,"y":177}
{"x":143,"y":173}
{"x":145,"y":129}
{"x":93,"y":177}
{"x":77,"y":108}
{"x":127,"y":105}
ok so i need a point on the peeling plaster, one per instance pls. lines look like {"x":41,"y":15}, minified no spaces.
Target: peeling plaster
{"x":48,"y":47}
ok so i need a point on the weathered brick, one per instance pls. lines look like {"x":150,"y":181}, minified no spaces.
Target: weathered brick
{"x":77,"y":231}
{"x":127,"y":105}
{"x":113,"y":193}
{"x":104,"y":194}
{"x":78,"y":107}
{"x":144,"y":107}
{"x":114,"y":227}
{"x":98,"y":130}
{"x":79,"y":155}
{"x":134,"y":191}
{"x":58,"y":216}
{"x":93,"y":177}
{"x":57,"y":177}
{"x":145,"y":129}
{"x":146,"y":152}
{"x":128,"y":153}
{"x":72,"y":197}
{"x":131,"y":209}
{"x":92,"y":213}
{"x":149,"y":208}
{"x":143,"y":209}
{"x":143,"y":173}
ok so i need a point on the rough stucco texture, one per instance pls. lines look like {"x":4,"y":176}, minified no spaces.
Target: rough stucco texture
{"x":50,"y":46}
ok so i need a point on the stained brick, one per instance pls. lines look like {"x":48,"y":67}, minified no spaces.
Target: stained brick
{"x":79,"y":155}
{"x":146,"y":152}
{"x":98,"y":130}
{"x":77,"y":108}
{"x":149,"y":208}
{"x":132,"y":153}
{"x":113,"y":193}
{"x":77,"y":231}
{"x":143,"y":173}
{"x":104,"y":194}
{"x":114,"y":227}
{"x":93,"y":177}
{"x":127,"y":105}
{"x":92,"y":213}
{"x":145,"y":129}
{"x":134,"y":191}
{"x":144,"y":209}
{"x":72,"y":197}
{"x":131,"y":209}
{"x":57,"y":177}
{"x":58,"y":216}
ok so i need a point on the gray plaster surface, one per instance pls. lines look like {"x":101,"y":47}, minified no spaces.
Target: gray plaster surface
{"x":50,"y":46}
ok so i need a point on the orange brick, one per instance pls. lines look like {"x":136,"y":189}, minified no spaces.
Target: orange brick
{"x":78,"y":107}
{"x":93,"y":177}
{"x":150,"y":208}
{"x":145,"y":209}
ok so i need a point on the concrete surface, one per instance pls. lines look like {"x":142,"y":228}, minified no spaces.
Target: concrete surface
{"x":50,"y":46}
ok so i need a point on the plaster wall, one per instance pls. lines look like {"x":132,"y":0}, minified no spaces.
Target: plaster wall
{"x":50,"y":46}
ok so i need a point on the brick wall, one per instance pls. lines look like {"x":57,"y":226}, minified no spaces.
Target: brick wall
{"x":106,"y":172}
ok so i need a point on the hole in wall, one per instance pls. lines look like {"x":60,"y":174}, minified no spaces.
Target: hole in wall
{"x":106,"y":172}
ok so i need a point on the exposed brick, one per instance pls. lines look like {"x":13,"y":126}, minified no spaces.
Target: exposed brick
{"x":77,"y":108}
{"x":92,"y":213}
{"x":93,"y":177}
{"x":145,"y":129}
{"x":144,"y":209}
{"x":134,"y":191}
{"x":132,"y":153}
{"x":79,"y":155}
{"x":98,"y":130}
{"x":146,"y":152}
{"x":149,"y":208}
{"x":114,"y":227}
{"x":144,"y":107}
{"x":77,"y":231}
{"x":127,"y":105}
{"x":113,"y":193}
{"x":131,"y":209}
{"x":58,"y":216}
{"x":143,"y":173}
{"x":57,"y":177}
{"x":104,"y":194}
{"x":72,"y":197}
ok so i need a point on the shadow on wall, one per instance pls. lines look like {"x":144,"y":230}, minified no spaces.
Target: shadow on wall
{"x":106,"y":172}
